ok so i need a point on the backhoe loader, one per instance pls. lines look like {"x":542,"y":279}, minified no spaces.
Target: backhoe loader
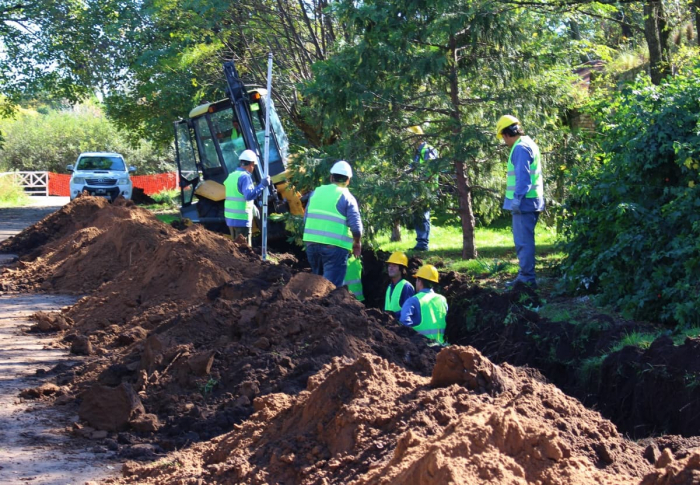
{"x":209,"y":142}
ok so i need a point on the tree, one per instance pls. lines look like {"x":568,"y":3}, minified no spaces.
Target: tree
{"x":175,"y":59}
{"x":453,"y":67}
{"x":49,"y":142}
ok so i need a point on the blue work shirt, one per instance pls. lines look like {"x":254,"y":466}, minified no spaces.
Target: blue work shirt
{"x":430,"y":154}
{"x":407,"y":292}
{"x":347,"y":205}
{"x":249,"y":191}
{"x":522,"y":158}
{"x":410,"y":311}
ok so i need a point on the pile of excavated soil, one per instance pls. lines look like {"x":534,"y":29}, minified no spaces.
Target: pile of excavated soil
{"x":199,"y":371}
{"x":191,"y":337}
{"x":71,"y":217}
{"x":189,"y":327}
{"x":624,"y":385}
{"x":370,"y":421}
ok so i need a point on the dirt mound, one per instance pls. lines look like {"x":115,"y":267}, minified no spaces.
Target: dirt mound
{"x":575,"y":355}
{"x":140,"y":197}
{"x":371,"y":421}
{"x":200,"y":370}
{"x":69,"y":218}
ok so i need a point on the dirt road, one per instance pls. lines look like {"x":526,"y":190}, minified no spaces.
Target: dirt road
{"x":34,"y":446}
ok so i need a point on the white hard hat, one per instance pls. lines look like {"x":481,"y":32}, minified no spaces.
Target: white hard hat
{"x":342,"y":168}
{"x":248,"y":156}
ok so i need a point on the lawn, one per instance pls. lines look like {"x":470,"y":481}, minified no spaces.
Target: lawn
{"x":494,"y":245}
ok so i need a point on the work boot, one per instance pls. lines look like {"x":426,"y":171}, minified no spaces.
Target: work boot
{"x":416,"y":248}
{"x":516,"y":281}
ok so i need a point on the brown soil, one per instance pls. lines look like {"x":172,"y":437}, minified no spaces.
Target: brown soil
{"x":369,"y":421}
{"x":277,"y":377}
{"x":625,"y":386}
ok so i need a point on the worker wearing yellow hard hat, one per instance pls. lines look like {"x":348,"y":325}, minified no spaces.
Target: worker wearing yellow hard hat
{"x":399,"y":290}
{"x":426,"y":311}
{"x":422,"y":157}
{"x":524,"y":193}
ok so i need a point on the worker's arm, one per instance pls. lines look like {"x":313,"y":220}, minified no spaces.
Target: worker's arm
{"x":410,"y":313}
{"x":248,"y":189}
{"x":407,"y":292}
{"x":347,"y":205}
{"x":522,"y":159}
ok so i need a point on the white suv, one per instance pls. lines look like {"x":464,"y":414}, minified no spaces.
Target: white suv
{"x":100,"y":173}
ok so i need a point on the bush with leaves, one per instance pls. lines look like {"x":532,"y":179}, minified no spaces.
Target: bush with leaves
{"x":49,"y":142}
{"x":634,"y":235}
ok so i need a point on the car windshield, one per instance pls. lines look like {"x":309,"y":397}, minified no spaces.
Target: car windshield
{"x":100,"y":163}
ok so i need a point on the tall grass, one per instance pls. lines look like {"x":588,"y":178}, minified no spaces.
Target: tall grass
{"x":11,"y":193}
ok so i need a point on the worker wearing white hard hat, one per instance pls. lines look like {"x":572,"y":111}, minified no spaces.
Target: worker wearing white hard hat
{"x":333,"y":226}
{"x":240,"y":194}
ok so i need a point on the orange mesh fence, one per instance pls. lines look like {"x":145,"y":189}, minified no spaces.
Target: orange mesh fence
{"x":59,"y":184}
{"x":152,"y":184}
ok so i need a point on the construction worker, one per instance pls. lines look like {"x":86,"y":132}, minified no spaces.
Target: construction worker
{"x":353,"y":277}
{"x":399,"y":290}
{"x":332,"y":226}
{"x":426,"y":311}
{"x":524,"y":193}
{"x":240,"y":193}
{"x":421,"y":218}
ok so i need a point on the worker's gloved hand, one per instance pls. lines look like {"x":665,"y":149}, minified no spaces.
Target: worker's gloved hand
{"x":266,"y":181}
{"x":515,"y":207}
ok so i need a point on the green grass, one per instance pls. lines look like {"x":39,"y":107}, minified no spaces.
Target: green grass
{"x":679,"y":338}
{"x":494,"y":246}
{"x":11,"y":194}
{"x":168,"y":217}
{"x":635,"y":339}
{"x":166,"y":200}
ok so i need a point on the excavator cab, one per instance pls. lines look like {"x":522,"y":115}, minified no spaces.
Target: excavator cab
{"x":209,"y":142}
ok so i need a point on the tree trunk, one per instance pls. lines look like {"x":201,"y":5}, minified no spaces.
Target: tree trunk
{"x":466,"y":212}
{"x":464,"y":189}
{"x":697,"y":21}
{"x":656,"y":35}
{"x":395,"y":231}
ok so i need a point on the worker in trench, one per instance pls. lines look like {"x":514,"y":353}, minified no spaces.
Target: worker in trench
{"x":240,"y":194}
{"x":524,"y":193}
{"x":426,"y":311}
{"x":399,"y":289}
{"x":333,"y":226}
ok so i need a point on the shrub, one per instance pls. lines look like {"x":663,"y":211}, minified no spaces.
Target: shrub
{"x":11,"y":193}
{"x":633,"y":238}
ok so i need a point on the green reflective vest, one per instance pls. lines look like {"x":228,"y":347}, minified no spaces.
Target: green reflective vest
{"x":235,"y":205}
{"x":353,"y":277}
{"x":324,"y":224}
{"x":433,"y":310}
{"x":391,"y":301}
{"x":537,"y":189}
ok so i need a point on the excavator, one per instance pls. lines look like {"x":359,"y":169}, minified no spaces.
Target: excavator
{"x":208,"y":144}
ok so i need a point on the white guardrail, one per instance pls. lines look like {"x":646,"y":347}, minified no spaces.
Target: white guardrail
{"x":34,"y":183}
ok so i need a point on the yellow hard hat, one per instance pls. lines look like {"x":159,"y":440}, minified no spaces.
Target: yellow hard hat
{"x":428,"y":272}
{"x":399,"y":258}
{"x":504,"y":122}
{"x":416,"y":129}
